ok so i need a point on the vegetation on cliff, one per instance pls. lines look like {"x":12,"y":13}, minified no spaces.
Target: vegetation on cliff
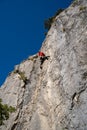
{"x":5,"y":110}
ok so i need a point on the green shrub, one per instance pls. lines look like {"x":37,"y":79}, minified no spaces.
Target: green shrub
{"x":49,"y":21}
{"x":23,"y":77}
{"x":12,"y":109}
{"x":81,"y":8}
{"x":58,"y":12}
{"x":75,"y":2}
{"x":5,"y":110}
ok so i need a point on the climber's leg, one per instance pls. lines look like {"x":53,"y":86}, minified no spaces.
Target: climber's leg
{"x":42,"y":59}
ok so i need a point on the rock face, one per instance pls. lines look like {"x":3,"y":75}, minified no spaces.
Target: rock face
{"x":54,"y":98}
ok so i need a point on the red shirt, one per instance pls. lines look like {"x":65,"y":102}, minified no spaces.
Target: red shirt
{"x":41,"y":53}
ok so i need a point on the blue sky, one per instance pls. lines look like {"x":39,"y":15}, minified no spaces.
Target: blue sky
{"x":22,"y":29}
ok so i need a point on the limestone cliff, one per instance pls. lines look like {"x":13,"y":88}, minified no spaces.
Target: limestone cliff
{"x":54,"y":98}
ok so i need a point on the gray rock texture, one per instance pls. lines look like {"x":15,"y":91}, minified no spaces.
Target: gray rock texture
{"x":54,"y":98}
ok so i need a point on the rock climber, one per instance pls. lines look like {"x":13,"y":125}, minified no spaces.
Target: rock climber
{"x":42,"y":58}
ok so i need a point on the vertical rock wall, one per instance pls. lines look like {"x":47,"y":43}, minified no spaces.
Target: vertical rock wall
{"x":54,"y":98}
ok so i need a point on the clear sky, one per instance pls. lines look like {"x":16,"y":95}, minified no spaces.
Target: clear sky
{"x":22,"y":29}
